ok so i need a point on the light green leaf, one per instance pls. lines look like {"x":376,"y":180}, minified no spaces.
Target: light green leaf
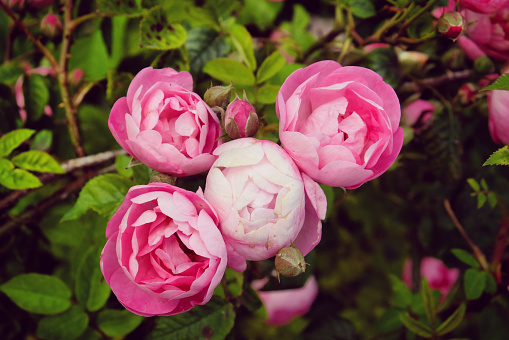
{"x":158,"y":32}
{"x":452,"y":321}
{"x":37,"y":293}
{"x":16,"y":179}
{"x":91,"y":289}
{"x":415,"y":326}
{"x":401,"y":295}
{"x":481,"y":199}
{"x":262,"y":13}
{"x":465,"y":257}
{"x":270,"y":66}
{"x":213,"y":320}
{"x":42,"y":140}
{"x":66,"y":326}
{"x":267,"y":94}
{"x":9,"y":73}
{"x":502,"y":83}
{"x":85,"y":54}
{"x":37,"y":161}
{"x":244,"y":44}
{"x":118,"y":40}
{"x":362,"y":8}
{"x":103,"y":194}
{"x":492,"y":199}
{"x":116,"y":323}
{"x":499,"y":157}
{"x":36,"y":96}
{"x":13,"y":139}
{"x":228,"y":70}
{"x":427,"y":300}
{"x":122,"y":165}
{"x":131,"y":8}
{"x":473,"y":184}
{"x":484,"y":185}
{"x":491,"y":284}
{"x":474,"y":283}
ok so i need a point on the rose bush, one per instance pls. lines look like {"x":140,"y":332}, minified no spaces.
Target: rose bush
{"x":498,"y":122}
{"x":263,"y":202}
{"x":484,"y":6}
{"x":164,"y":253}
{"x":162,"y":123}
{"x":339,"y":124}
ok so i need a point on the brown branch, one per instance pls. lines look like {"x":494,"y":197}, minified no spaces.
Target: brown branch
{"x":437,"y":81}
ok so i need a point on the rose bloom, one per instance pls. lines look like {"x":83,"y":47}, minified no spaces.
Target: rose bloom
{"x":263,"y":202}
{"x":436,"y":273}
{"x":498,"y":123}
{"x":339,"y":124}
{"x":165,"y":125}
{"x":413,"y":112}
{"x":164,"y":253}
{"x":484,"y":6}
{"x":282,"y":306}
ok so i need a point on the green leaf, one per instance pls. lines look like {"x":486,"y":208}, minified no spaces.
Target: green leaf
{"x":66,"y":326}
{"x":473,"y":184}
{"x":204,"y":44}
{"x":330,"y":195}
{"x":466,"y":257}
{"x":13,"y":139}
{"x":86,"y":52}
{"x":484,"y":185}
{"x":491,"y":284}
{"x":158,"y":32}
{"x":267,"y":93}
{"x":36,"y":96}
{"x":502,"y":83}
{"x":427,"y":300}
{"x":37,"y":293}
{"x":244,"y":44}
{"x":131,"y":8}
{"x":228,"y":70}
{"x":103,"y":194}
{"x":16,"y":179}
{"x":122,"y":163}
{"x":499,"y":157}
{"x":42,"y":140}
{"x":9,"y":73}
{"x":91,"y":289}
{"x":481,"y":199}
{"x":492,"y":199}
{"x":415,"y":326}
{"x":362,"y":8}
{"x":452,"y":321}
{"x":118,"y":40}
{"x":474,"y":283}
{"x":421,"y":26}
{"x":384,"y":61}
{"x":213,"y":320}
{"x":117,"y":323}
{"x":401,"y":295}
{"x":270,"y":66}
{"x":37,"y":161}
{"x":262,"y":13}
{"x":234,"y":282}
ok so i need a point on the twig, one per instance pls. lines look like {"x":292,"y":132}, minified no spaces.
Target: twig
{"x":437,"y":81}
{"x":323,"y":41}
{"x":477,"y":252}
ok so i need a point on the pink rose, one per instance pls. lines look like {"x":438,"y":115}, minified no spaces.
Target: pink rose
{"x":498,"y":123}
{"x":413,"y":111}
{"x":164,"y":253}
{"x":282,"y":306}
{"x":438,"y":275}
{"x":263,"y":202}
{"x":484,"y":6}
{"x":339,"y":124}
{"x":165,"y":125}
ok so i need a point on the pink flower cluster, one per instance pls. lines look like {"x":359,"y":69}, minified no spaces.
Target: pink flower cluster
{"x":168,"y":248}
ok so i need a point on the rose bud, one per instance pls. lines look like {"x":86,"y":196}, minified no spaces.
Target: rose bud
{"x":50,"y":25}
{"x":240,"y":119}
{"x":218,"y":95}
{"x":290,"y":262}
{"x":466,"y":93}
{"x":484,"y":65}
{"x":450,"y":25}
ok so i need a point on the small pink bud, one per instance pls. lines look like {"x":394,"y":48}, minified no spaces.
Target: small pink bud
{"x":218,"y":96}
{"x":451,"y":25}
{"x":50,"y":25}
{"x":240,"y":119}
{"x":290,"y":262}
{"x":466,"y":93}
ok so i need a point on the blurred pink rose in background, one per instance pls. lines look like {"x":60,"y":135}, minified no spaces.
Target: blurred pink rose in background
{"x":165,"y":125}
{"x":263,"y":202}
{"x":413,"y":111}
{"x":436,"y":273}
{"x":164,"y":253}
{"x":498,"y":123}
{"x":484,"y":6}
{"x":40,"y":3}
{"x":339,"y":124}
{"x":282,"y":306}
{"x":50,"y":24}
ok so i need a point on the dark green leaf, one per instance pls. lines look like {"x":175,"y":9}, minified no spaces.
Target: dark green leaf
{"x":86,"y":52}
{"x":453,"y":321}
{"x":16,"y":179}
{"x":9,"y":73}
{"x":270,"y":66}
{"x":36,"y":196}
{"x":330,"y":195}
{"x":465,"y":257}
{"x":401,"y":295}
{"x":39,"y":161}
{"x":499,"y":157}
{"x":362,"y":8}
{"x":502,"y":83}
{"x":474,"y":283}
{"x":267,"y":94}
{"x":427,"y":300}
{"x":389,"y":321}
{"x":415,"y":326}
{"x":204,"y":44}
{"x":228,"y":70}
{"x":491,"y":284}
{"x":213,"y":320}
{"x":94,"y":129}
{"x":131,"y":7}
{"x":244,"y":44}
{"x":116,"y":323}
{"x":481,"y":199}
{"x":36,"y":96}
{"x":234,"y":282}
{"x":118,"y":40}
{"x":42,"y":140}
{"x":473,"y":184}
{"x":492,"y":199}
{"x":91,"y":289}
{"x":36,"y":293}
{"x":13,"y":139}
{"x":421,"y":26}
{"x":385,"y":62}
{"x":66,"y":326}
{"x":158,"y":32}
{"x":103,"y":194}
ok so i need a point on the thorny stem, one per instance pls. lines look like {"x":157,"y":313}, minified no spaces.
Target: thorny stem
{"x":477,"y":252}
{"x":415,"y":16}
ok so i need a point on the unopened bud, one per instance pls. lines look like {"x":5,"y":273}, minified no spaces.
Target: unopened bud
{"x":453,"y":59}
{"x":484,"y":65}
{"x":50,"y":25}
{"x":290,"y":262}
{"x":218,"y":95}
{"x":240,"y":119}
{"x":451,"y":25}
{"x":466,"y":93}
